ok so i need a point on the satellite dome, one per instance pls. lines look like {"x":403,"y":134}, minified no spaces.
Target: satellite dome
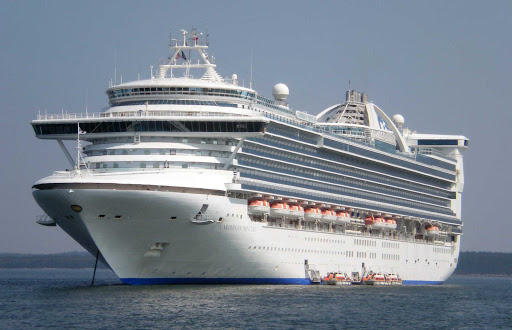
{"x":280,"y":92}
{"x":398,"y":120}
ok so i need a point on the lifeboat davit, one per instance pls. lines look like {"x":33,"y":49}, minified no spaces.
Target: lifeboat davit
{"x":296,"y":212}
{"x":312,"y":214}
{"x":328,"y":215}
{"x":259,"y":207}
{"x":342,"y":217}
{"x":279,"y":209}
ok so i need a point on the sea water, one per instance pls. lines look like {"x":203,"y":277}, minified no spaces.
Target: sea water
{"x":63,"y":298}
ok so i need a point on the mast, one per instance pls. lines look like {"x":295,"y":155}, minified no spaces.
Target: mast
{"x":178,"y":60}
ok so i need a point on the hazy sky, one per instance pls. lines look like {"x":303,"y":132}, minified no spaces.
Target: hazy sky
{"x":444,"y":65}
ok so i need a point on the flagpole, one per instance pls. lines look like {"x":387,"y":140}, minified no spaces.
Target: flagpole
{"x":78,"y":147}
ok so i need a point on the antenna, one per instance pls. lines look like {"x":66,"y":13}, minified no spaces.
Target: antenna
{"x":78,"y":147}
{"x":250,"y":76}
{"x":115,"y":66}
{"x":207,"y":35}
{"x":86,"y":101}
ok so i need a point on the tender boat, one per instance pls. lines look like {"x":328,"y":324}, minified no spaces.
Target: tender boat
{"x":296,"y":212}
{"x":279,"y":209}
{"x":312,"y":214}
{"x":390,"y":224}
{"x":328,"y":215}
{"x":342,"y":217}
{"x":337,"y":278}
{"x":258,"y":207}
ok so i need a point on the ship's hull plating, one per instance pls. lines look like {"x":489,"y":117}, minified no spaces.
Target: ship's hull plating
{"x":147,"y":237}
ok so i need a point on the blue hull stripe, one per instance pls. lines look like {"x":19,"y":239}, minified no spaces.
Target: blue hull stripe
{"x":199,"y":280}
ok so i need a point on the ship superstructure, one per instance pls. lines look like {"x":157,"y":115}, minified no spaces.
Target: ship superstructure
{"x":193,"y":178}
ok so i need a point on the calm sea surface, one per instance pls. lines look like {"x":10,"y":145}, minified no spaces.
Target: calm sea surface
{"x":49,"y":298}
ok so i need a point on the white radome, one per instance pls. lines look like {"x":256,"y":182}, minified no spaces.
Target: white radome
{"x":280,"y":92}
{"x":398,"y":120}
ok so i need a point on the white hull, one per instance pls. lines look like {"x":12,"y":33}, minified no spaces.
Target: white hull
{"x":146,"y":246}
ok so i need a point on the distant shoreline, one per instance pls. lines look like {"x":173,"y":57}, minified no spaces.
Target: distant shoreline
{"x":475,"y":264}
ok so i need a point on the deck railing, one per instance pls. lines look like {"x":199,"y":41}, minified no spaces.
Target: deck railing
{"x":140,"y":113}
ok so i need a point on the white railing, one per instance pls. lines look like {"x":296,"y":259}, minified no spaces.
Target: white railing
{"x":141,"y":113}
{"x":434,"y":152}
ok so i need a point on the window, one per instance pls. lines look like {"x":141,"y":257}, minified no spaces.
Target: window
{"x":173,"y":152}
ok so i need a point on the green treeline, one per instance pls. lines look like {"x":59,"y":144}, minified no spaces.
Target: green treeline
{"x":483,"y":263}
{"x":492,"y":263}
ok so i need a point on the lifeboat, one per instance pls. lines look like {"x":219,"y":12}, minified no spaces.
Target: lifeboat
{"x":258,"y":207}
{"x":374,"y":279}
{"x":337,"y":279}
{"x":312,"y":214}
{"x":342,"y":217}
{"x":432,"y":231}
{"x":279,"y":209}
{"x":328,"y":215}
{"x":368,"y":221}
{"x":375,"y":222}
{"x":296,"y":212}
{"x":390,"y":224}
{"x":393,"y":279}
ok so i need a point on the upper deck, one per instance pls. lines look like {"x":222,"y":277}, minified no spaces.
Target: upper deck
{"x":207,"y":104}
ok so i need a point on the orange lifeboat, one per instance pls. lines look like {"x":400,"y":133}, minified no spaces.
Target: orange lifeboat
{"x":431,"y":230}
{"x":328,"y":215}
{"x":337,"y":279}
{"x":393,"y":279}
{"x":368,"y":221}
{"x":390,"y":224}
{"x":342,"y":217}
{"x":375,"y":222}
{"x":379,"y":277}
{"x":279,"y":209}
{"x":258,"y":207}
{"x":296,"y":212}
{"x":312,"y":214}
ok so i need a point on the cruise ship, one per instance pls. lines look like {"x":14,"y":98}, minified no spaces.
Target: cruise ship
{"x":191,"y":177}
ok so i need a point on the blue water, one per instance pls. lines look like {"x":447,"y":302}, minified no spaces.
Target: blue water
{"x":49,"y":298}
